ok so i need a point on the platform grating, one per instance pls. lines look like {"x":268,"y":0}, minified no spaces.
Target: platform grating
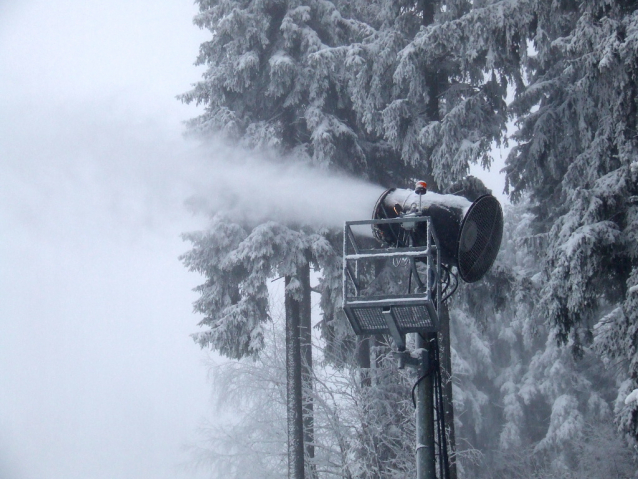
{"x":370,"y":319}
{"x":411,"y":317}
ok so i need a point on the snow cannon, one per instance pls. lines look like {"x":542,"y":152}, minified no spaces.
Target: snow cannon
{"x":469,"y":232}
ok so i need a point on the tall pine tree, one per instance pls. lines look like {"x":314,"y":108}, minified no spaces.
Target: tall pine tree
{"x":577,"y":156}
{"x":265,"y":89}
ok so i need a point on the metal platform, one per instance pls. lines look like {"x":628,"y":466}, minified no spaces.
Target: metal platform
{"x":394,"y":314}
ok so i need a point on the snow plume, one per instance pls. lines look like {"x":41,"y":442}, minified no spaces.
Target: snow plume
{"x":254,"y":188}
{"x":119,"y":174}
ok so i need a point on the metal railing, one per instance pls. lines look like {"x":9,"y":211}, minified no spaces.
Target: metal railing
{"x":371,"y":311}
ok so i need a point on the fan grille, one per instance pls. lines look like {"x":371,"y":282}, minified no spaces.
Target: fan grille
{"x":480,"y":238}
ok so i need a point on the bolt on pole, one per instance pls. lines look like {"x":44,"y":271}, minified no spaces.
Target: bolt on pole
{"x":425,"y":457}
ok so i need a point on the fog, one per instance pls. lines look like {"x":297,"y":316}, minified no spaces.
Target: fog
{"x":98,"y":375}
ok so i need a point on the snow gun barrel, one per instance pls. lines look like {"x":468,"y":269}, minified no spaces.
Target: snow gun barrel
{"x":469,"y":233}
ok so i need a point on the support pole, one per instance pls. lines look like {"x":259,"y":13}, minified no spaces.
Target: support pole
{"x":425,"y":458}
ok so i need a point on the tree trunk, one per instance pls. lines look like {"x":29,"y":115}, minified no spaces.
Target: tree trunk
{"x":432,"y":79}
{"x":305,"y":331}
{"x":435,"y":81}
{"x":294,"y":387}
{"x":446,"y":379}
{"x":363,"y":360}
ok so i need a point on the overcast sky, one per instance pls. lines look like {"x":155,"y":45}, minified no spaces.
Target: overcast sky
{"x":99,"y":378}
{"x":98,"y":375}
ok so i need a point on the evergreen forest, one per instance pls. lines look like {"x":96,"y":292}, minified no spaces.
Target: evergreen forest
{"x":544,"y":348}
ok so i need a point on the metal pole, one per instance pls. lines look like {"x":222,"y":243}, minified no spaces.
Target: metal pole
{"x":425,"y":458}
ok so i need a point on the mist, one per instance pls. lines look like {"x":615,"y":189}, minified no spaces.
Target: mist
{"x":100,"y":378}
{"x":95,"y":308}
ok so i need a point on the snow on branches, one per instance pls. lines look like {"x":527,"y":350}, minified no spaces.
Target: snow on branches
{"x":238,"y":264}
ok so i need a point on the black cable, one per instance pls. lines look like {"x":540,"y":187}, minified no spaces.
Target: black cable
{"x":445,"y":466}
{"x":446,"y":280}
{"x":447,"y":274}
{"x":456,"y":285}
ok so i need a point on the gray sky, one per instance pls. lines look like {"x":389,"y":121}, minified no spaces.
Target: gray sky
{"x":98,"y":375}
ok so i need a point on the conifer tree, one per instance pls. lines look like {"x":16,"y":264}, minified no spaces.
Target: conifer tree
{"x":234,"y":299}
{"x":432,"y":83}
{"x":527,"y":405}
{"x":264,"y":88}
{"x":577,"y":156}
{"x":272,"y":81}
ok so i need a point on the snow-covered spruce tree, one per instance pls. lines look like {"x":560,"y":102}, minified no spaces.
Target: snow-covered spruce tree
{"x":388,"y":90}
{"x":237,"y":263}
{"x":269,"y":83}
{"x":431,"y":79}
{"x":263,"y":89}
{"x":489,"y":323}
{"x":525,"y":407}
{"x":577,"y":155}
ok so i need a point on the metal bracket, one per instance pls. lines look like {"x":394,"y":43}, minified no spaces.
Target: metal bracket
{"x":390,"y":320}
{"x":404,"y":358}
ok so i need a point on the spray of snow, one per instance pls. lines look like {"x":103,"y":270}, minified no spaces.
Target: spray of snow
{"x":254,"y":188}
{"x":117,"y":175}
